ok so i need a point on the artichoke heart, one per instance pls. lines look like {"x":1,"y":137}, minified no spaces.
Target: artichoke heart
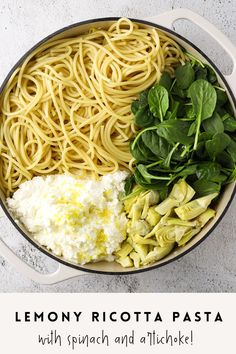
{"x":145,"y":207}
{"x":168,"y":234}
{"x":176,"y":221}
{"x":140,"y":227}
{"x":135,"y":212}
{"x":137,"y":207}
{"x":158,"y":253}
{"x":144,"y":241}
{"x":182,"y":192}
{"x":158,"y":225}
{"x":152,"y":216}
{"x":154,"y":197}
{"x":142,"y":250}
{"x":205,"y":217}
{"x":166,"y":206}
{"x":125,"y":262}
{"x":135,"y":258}
{"x":194,"y":208}
{"x":188,"y":235}
{"x":128,"y":203}
{"x":124,"y":251}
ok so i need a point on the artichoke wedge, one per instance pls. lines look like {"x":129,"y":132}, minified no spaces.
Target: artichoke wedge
{"x":140,"y":227}
{"x":124,"y":251}
{"x":205,"y":217}
{"x":176,"y":221}
{"x":128,"y":203}
{"x":158,"y":253}
{"x":125,"y":262}
{"x":141,"y":204}
{"x":158,"y":225}
{"x":182,"y":192}
{"x":152,"y":216}
{"x":142,"y":250}
{"x":153,"y":197}
{"x":169,"y":234}
{"x":188,"y":235}
{"x":144,"y":241}
{"x":194,"y":208}
{"x":135,"y":258}
{"x":166,"y":206}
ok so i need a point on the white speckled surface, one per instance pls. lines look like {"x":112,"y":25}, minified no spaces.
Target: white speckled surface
{"x":209,"y":268}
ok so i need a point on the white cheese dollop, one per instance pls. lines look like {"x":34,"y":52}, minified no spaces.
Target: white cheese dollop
{"x":81,"y":220}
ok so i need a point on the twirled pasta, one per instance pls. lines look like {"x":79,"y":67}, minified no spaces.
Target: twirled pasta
{"x":67,"y":108}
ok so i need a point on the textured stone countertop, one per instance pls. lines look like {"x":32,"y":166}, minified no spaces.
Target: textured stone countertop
{"x":211,"y":267}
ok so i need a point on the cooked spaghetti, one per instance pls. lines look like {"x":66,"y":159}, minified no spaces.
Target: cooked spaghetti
{"x":67,"y":108}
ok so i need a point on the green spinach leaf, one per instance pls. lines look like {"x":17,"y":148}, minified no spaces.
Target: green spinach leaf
{"x":192,"y":128}
{"x":189,"y":113}
{"x":178,"y":92}
{"x":175,"y":131}
{"x":203,"y":97}
{"x":222,"y":97}
{"x":209,"y":171}
{"x":140,"y":103}
{"x":142,"y":115}
{"x":203,"y":187}
{"x":231,"y":149}
{"x":218,"y":144}
{"x":144,"y":118}
{"x":186,"y":171}
{"x":167,"y":161}
{"x":129,"y":183}
{"x":211,"y":75}
{"x":214,"y":124}
{"x":204,"y":136}
{"x":166,"y":80}
{"x":184,"y":75}
{"x":201,"y":152}
{"x":225,"y":160}
{"x":155,"y":184}
{"x":200,"y":72}
{"x":230,"y":124}
{"x":148,"y":177}
{"x":141,"y":152}
{"x":158,"y":101}
{"x":232,"y":176}
{"x":158,"y":145}
{"x":174,"y":109}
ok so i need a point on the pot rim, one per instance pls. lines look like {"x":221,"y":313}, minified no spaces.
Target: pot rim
{"x":151,"y":267}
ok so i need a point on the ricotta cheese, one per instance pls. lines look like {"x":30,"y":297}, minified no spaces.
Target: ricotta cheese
{"x":81,"y":220}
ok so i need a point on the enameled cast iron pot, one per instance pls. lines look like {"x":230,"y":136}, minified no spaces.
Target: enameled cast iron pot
{"x":163,"y":22}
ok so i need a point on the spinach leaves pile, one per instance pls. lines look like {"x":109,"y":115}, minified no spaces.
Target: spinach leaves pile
{"x":187,"y":130}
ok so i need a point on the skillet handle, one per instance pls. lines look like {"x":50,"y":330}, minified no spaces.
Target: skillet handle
{"x":168,"y":18}
{"x":62,"y":272}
